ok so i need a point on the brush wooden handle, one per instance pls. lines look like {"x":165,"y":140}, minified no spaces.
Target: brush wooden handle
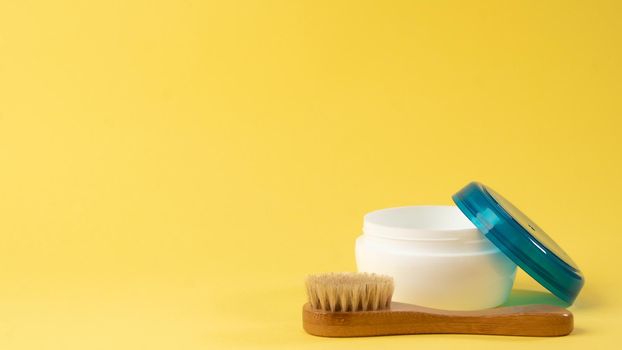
{"x":527,"y":320}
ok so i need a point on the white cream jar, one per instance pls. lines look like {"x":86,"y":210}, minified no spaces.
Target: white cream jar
{"x":436,"y":256}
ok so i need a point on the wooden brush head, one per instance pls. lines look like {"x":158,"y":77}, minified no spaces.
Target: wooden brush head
{"x":349,"y":291}
{"x":350,"y":304}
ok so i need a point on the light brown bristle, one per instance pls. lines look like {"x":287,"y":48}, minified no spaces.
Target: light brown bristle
{"x":349,"y":291}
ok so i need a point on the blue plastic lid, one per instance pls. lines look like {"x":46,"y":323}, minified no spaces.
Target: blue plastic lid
{"x":521,"y":240}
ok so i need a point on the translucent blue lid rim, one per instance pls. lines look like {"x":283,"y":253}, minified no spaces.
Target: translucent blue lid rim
{"x":504,"y":231}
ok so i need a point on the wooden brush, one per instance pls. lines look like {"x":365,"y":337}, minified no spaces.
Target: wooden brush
{"x":359,"y":304}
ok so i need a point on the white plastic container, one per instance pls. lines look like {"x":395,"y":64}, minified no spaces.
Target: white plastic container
{"x":436,"y":256}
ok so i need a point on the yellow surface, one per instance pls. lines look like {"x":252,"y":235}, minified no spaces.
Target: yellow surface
{"x":170,"y":171}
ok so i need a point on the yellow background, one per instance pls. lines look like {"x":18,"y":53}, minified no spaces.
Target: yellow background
{"x":170,"y":171}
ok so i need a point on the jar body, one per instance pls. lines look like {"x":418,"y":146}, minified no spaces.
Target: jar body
{"x":437,"y":260}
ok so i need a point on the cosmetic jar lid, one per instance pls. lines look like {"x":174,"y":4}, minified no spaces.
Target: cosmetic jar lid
{"x":521,"y":240}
